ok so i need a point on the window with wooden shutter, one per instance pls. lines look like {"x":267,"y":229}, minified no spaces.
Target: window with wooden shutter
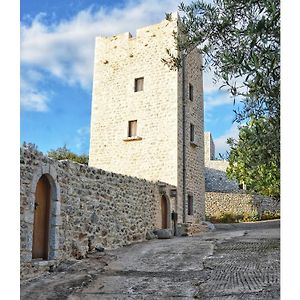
{"x":132,"y":128}
{"x":139,"y":84}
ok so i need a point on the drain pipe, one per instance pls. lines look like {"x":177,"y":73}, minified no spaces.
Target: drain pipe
{"x":183,"y":56}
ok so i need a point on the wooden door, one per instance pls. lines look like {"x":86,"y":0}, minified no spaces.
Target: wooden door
{"x":164,"y":212}
{"x":41,"y":219}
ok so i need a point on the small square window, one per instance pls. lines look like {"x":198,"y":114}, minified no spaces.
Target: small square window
{"x":192,"y":133}
{"x":191,"y":92}
{"x":132,"y":128}
{"x":139,"y":84}
{"x":190,"y":205}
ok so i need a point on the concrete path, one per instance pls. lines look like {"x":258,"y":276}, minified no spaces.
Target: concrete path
{"x":239,"y":261}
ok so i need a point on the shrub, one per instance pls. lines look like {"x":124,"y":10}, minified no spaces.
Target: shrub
{"x":228,"y":217}
{"x":65,"y":153}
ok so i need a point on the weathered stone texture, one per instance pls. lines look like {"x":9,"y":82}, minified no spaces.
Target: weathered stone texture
{"x":119,"y":60}
{"x":217,"y":203}
{"x":216,"y":179}
{"x":223,"y":195}
{"x":194,"y":160}
{"x":89,"y":206}
{"x":157,"y":153}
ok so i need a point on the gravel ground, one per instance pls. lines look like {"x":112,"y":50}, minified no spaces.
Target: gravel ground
{"x":237,"y":261}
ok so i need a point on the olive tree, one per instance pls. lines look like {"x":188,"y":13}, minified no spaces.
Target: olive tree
{"x":240,"y":43}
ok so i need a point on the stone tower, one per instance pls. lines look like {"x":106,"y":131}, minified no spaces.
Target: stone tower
{"x":209,"y":147}
{"x":139,"y":112}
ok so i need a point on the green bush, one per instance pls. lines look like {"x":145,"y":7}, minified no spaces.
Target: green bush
{"x":268,"y":215}
{"x":65,"y":153}
{"x":227,"y":217}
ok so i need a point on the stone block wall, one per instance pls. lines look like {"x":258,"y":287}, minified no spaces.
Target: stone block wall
{"x":218,"y":203}
{"x":119,"y":60}
{"x":223,"y":195}
{"x":89,"y":206}
{"x":156,"y":152}
{"x":238,"y":203}
{"x":194,"y":152}
{"x":216,"y":178}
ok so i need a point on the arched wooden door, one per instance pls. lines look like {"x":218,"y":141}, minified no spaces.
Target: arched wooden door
{"x":164,"y":212}
{"x":41,"y":219}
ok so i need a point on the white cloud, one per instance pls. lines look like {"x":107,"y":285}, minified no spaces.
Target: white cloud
{"x":220,"y":142}
{"x":218,"y":98}
{"x":209,"y":84}
{"x":32,"y":98}
{"x":82,"y":139}
{"x":214,"y":96}
{"x":65,"y":49}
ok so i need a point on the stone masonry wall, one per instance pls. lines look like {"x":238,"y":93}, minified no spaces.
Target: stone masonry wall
{"x":217,"y":203}
{"x":89,"y":206}
{"x":194,"y":159}
{"x":223,"y":195}
{"x":216,"y":178}
{"x":215,"y":170}
{"x":156,"y":152}
{"x":119,"y":60}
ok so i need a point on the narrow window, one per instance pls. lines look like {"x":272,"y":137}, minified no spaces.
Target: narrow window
{"x":132,"y":126}
{"x":192,"y":133}
{"x":190,"y":205}
{"x":139,"y":84}
{"x":191,"y":92}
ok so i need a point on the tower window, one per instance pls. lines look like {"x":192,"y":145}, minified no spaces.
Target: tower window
{"x":191,"y":92}
{"x":139,"y":84}
{"x":190,"y":205}
{"x":132,"y":128}
{"x":192,"y":133}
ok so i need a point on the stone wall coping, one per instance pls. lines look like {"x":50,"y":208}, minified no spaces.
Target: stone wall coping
{"x":215,"y":164}
{"x":140,"y":31}
{"x":76,"y":164}
{"x":229,"y":192}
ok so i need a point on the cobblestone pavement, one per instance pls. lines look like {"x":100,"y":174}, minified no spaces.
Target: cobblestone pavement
{"x":240,"y":261}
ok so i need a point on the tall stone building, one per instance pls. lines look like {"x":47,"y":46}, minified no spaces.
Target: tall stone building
{"x":141,"y":124}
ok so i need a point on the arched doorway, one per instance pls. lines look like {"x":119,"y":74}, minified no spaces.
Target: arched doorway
{"x":164,"y":212}
{"x":40,"y":240}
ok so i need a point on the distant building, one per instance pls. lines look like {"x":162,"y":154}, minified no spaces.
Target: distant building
{"x":216,"y":179}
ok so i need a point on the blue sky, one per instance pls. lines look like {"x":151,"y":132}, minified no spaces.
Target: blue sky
{"x":57,"y":49}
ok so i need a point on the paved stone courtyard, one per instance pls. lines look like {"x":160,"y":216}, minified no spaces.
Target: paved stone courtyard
{"x":237,"y":261}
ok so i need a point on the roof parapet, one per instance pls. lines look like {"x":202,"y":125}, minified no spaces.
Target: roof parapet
{"x":174,"y":16}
